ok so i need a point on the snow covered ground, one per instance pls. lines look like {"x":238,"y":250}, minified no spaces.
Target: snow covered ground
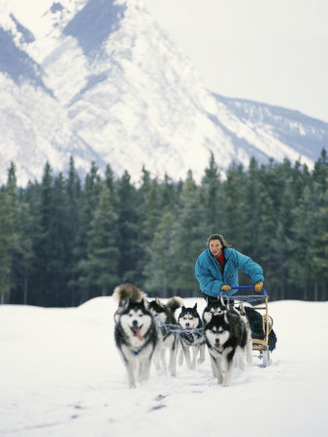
{"x":61,"y":375}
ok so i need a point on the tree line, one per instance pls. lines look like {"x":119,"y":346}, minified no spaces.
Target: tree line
{"x":65,"y":240}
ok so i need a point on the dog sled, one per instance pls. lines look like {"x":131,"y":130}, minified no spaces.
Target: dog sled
{"x":263,"y":336}
{"x":256,"y":309}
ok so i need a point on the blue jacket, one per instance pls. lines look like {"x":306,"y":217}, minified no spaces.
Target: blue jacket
{"x":210,"y":277}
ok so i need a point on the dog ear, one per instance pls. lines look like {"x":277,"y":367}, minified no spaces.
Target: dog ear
{"x":159,"y":302}
{"x":144,"y":303}
{"x":125,"y":304}
{"x":195,"y":306}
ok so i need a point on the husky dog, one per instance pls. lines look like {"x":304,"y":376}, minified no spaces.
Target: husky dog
{"x":125,"y":292}
{"x":252,"y":319}
{"x":169,"y":338}
{"x":256,"y":325}
{"x":241,"y":310}
{"x":215,"y":307}
{"x":225,"y":336}
{"x":191,"y":336}
{"x":220,"y":306}
{"x":136,"y":333}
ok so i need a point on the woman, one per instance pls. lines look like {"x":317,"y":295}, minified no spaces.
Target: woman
{"x":217,"y":268}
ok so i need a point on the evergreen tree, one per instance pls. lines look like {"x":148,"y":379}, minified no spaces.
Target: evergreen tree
{"x":187,"y":238}
{"x":9,"y":236}
{"x":319,"y":237}
{"x":110,"y":182}
{"x":88,"y":205}
{"x":26,"y":254}
{"x":254,"y":193}
{"x":270,"y":242}
{"x":59,"y":235}
{"x":233,"y":206}
{"x":320,"y":252}
{"x":149,"y":212}
{"x":31,"y":230}
{"x":160,"y":270}
{"x":100,"y":267}
{"x":129,"y":231}
{"x":150,"y":205}
{"x":73,"y":192}
{"x":212,"y":200}
{"x":169,"y":195}
{"x":284,"y":228}
{"x":5,"y":258}
{"x":299,"y":264}
{"x":50,"y":246}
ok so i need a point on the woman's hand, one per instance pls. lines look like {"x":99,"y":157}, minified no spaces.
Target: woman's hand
{"x":258,"y":286}
{"x":226,"y":288}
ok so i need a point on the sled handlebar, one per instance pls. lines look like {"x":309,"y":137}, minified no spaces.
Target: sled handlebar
{"x":248,"y":287}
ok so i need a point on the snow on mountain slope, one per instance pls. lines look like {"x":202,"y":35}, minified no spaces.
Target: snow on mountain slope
{"x":306,"y":135}
{"x":99,"y":79}
{"x":35,"y":129}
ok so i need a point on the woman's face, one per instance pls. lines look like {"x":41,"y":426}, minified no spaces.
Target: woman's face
{"x":215,"y":247}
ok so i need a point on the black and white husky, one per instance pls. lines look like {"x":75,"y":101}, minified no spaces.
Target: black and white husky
{"x":241,"y":310}
{"x":124,"y":293}
{"x":191,"y":336}
{"x":226,"y":337}
{"x":220,"y":306}
{"x":136,"y":333}
{"x":215,"y":307}
{"x":167,"y":323}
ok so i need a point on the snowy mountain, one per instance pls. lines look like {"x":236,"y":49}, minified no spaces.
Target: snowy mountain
{"x":100,"y":80}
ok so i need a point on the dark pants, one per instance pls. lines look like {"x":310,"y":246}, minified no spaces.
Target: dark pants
{"x":214,"y":299}
{"x":209,"y":299}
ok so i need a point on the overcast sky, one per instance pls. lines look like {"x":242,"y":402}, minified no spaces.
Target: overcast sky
{"x":273,"y":52}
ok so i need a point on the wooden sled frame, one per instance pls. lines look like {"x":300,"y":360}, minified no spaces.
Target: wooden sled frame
{"x":259,"y":345}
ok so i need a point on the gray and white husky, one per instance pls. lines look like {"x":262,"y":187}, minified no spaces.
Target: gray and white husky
{"x":136,"y":333}
{"x":168,"y":334}
{"x":241,"y":310}
{"x":191,"y":336}
{"x":222,"y":305}
{"x":226,"y":337}
{"x":126,"y":292}
{"x":215,"y":307}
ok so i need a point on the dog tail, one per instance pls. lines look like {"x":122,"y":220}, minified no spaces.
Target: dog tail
{"x":174,"y":303}
{"x":126,"y":291}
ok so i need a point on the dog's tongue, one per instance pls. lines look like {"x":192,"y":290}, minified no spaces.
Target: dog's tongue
{"x":137,"y":333}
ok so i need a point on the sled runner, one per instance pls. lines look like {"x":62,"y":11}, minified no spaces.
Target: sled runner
{"x":263,"y":337}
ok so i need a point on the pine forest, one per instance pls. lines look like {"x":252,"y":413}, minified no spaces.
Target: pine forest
{"x":66,"y":239}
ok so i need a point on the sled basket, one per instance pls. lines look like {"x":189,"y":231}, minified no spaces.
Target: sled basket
{"x":258,"y":302}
